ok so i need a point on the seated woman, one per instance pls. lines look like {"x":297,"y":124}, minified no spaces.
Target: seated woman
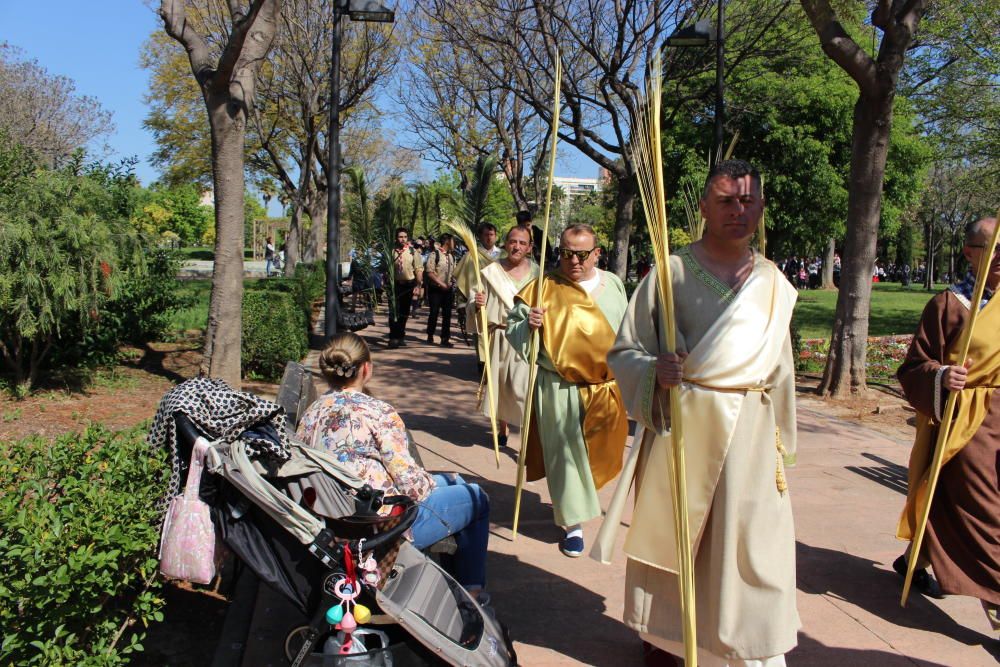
{"x":368,"y":437}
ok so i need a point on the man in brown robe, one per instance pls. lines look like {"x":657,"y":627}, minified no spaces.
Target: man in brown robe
{"x":962,"y":542}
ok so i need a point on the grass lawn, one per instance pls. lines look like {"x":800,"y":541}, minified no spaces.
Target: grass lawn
{"x":895,"y":310}
{"x":194,"y":316}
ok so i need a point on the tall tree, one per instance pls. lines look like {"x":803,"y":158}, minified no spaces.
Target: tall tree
{"x":877,"y":77}
{"x":458,"y":115}
{"x":604,"y":46}
{"x":225,"y":71}
{"x":289,"y":120}
{"x":43,"y":112}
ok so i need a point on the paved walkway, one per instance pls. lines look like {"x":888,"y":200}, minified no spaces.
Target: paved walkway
{"x":202,"y":268}
{"x":847,"y":491}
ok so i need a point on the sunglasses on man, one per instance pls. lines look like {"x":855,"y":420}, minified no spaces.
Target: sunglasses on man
{"x":581,"y":255}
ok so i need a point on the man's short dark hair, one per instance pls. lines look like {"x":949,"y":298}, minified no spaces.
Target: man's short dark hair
{"x":484,"y":226}
{"x":522,"y":230}
{"x":401,"y":229}
{"x":523,"y":217}
{"x":444,"y":238}
{"x":733,"y":169}
{"x":578,"y":228}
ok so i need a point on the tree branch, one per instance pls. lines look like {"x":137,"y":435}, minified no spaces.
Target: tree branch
{"x":839,"y":46}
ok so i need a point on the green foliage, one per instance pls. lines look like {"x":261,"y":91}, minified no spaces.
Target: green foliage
{"x":178,"y":210}
{"x":141,"y":311}
{"x":274,"y":332}
{"x":794,"y":114}
{"x":176,"y":116}
{"x":477,"y":197}
{"x":66,"y":250}
{"x":252,"y":210}
{"x":679,"y":238}
{"x":951,"y":80}
{"x":310,"y":285}
{"x":80,"y":529}
{"x":596,"y":209}
{"x":194,"y":314}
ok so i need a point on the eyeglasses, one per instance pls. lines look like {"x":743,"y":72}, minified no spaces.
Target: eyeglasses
{"x":581,"y":255}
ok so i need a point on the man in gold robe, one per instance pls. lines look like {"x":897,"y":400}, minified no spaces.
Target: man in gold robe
{"x":961,"y":542}
{"x":734,"y":369}
{"x":579,"y":425}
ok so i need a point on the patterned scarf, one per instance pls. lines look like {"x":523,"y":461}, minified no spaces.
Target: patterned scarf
{"x":220,"y":412}
{"x":965,"y":288}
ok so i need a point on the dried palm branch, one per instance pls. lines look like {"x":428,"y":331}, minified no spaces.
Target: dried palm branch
{"x":648,"y":157}
{"x":533,"y":346}
{"x":464,"y":232}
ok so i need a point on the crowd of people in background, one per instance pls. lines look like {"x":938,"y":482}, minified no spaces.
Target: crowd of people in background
{"x":807,"y":272}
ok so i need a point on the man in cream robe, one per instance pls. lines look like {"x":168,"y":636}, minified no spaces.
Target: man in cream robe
{"x":465,"y":272}
{"x":735,"y":372}
{"x":501,"y":281}
{"x":579,"y":425}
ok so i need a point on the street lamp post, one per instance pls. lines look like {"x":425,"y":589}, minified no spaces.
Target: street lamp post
{"x":704,"y":33}
{"x":357,"y":10}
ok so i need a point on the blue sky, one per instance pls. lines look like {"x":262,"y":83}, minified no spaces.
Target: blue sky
{"x":97,"y":45}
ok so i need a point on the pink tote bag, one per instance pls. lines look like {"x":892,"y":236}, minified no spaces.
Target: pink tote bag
{"x":187,"y":546}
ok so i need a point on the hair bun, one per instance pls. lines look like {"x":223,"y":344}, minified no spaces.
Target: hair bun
{"x":344,"y":370}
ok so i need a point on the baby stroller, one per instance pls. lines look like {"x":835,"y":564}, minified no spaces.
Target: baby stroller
{"x":312,"y":530}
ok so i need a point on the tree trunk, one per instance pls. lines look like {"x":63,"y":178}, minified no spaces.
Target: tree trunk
{"x":831,"y":250}
{"x":929,"y":262}
{"x":845,"y":367}
{"x":316,"y":240}
{"x":224,"y":336}
{"x":618,"y":262}
{"x":293,"y":239}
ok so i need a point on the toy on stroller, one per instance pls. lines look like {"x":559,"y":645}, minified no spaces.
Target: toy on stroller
{"x":312,"y":530}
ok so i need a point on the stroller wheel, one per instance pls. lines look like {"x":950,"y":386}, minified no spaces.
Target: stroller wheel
{"x":295,"y":640}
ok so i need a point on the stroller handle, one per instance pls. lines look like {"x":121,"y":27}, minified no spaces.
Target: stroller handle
{"x":389,"y":537}
{"x":188,"y":433}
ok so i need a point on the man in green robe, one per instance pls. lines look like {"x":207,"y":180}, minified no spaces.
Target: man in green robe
{"x":579,"y":425}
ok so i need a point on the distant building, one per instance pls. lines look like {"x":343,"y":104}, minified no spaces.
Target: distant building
{"x":572,"y":188}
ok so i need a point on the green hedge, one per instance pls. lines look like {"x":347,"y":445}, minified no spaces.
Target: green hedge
{"x":310,"y":284}
{"x":274,"y":332}
{"x":80,"y":526}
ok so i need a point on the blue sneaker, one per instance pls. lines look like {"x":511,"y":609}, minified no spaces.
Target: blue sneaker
{"x":571,"y":546}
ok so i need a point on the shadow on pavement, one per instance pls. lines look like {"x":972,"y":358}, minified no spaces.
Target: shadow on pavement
{"x":890,"y":475}
{"x":811,"y":652}
{"x":866,"y":584}
{"x":574,"y":623}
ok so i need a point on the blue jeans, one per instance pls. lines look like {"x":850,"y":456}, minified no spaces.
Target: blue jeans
{"x":463,"y":510}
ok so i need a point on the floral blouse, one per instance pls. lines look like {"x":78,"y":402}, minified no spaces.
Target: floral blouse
{"x":368,"y":437}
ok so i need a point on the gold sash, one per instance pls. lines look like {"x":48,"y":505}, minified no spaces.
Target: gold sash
{"x":577,"y":338}
{"x":971,"y":406}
